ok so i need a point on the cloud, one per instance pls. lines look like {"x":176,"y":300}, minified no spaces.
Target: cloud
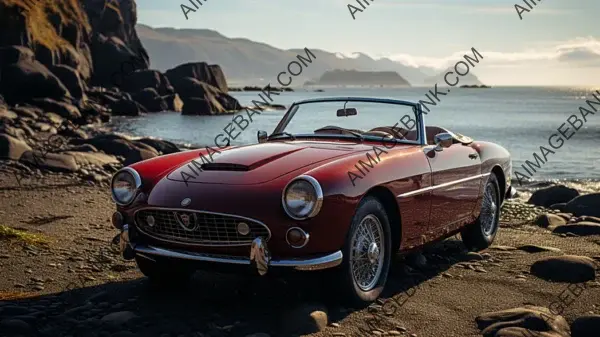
{"x":580,"y":52}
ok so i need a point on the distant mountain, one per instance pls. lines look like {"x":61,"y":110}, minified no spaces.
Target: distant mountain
{"x":367,"y":78}
{"x":247,"y":62}
{"x":468,"y":79}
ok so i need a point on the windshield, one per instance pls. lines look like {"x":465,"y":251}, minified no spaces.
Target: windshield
{"x":350,"y":119}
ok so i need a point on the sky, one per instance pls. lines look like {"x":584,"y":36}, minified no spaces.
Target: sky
{"x":555,"y":43}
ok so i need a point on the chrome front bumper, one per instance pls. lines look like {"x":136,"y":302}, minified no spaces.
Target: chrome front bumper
{"x":259,"y":257}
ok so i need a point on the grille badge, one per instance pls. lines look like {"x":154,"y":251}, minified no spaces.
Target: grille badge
{"x":187,"y":222}
{"x":150,"y":220}
{"x":186,"y":202}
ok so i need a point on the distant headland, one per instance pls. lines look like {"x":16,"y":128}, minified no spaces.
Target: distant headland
{"x":359,"y":78}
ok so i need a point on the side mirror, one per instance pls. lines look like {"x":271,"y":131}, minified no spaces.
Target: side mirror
{"x":262,"y":136}
{"x":442,"y":141}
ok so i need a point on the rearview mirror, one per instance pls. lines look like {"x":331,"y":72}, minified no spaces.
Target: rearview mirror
{"x":262,"y":136}
{"x":347,"y":112}
{"x":443,"y":140}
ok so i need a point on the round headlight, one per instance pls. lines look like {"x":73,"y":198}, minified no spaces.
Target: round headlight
{"x":302,"y":198}
{"x":125,"y":185}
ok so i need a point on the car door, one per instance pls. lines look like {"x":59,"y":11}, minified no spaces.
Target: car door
{"x":456,"y":178}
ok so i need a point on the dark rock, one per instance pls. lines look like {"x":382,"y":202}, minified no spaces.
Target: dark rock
{"x":7,"y":114}
{"x":58,"y":162}
{"x":81,"y":148}
{"x":163,"y":146}
{"x":12,"y":148}
{"x":27,"y":111}
{"x":566,"y":268}
{"x":197,"y":106}
{"x":201,"y":71}
{"x":588,"y":218}
{"x":13,"y":310}
{"x":148,"y":79}
{"x":62,"y":109}
{"x":193,"y":92}
{"x":30,"y":79}
{"x":119,"y":317}
{"x":566,"y":216}
{"x":16,"y":327}
{"x":151,"y":100}
{"x":126,"y":107}
{"x":552,"y":195}
{"x":588,"y":204}
{"x":559,"y":206}
{"x":583,"y":228}
{"x":586,"y":326}
{"x":70,"y":78}
{"x":119,"y":146}
{"x":304,"y":319}
{"x":15,"y":54}
{"x":174,"y":103}
{"x":549,"y":221}
{"x":527,"y":318}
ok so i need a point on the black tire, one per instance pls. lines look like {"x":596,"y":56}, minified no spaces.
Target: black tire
{"x":164,"y":272}
{"x":480,"y":234}
{"x":351,"y":291}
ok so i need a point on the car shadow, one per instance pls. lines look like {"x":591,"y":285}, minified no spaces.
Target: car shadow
{"x":212,"y":304}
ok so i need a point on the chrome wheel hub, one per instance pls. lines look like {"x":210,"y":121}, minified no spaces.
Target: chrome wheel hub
{"x":373,"y":252}
{"x":489,"y":211}
{"x":367,"y":253}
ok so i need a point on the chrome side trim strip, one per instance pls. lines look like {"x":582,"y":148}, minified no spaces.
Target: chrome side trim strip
{"x":435,"y":187}
{"x":318,"y":263}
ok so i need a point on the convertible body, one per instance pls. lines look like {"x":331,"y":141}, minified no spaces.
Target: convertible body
{"x":229,"y":206}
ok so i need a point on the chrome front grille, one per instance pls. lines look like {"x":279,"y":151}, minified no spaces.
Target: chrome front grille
{"x":198,"y":227}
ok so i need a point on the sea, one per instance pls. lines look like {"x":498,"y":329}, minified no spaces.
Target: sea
{"x":521,"y":119}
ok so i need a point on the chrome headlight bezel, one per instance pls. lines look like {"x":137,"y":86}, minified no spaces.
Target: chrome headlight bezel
{"x":318,"y":194}
{"x":137,"y":181}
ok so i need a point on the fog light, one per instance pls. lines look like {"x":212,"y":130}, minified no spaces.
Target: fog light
{"x":117,"y":220}
{"x":296,"y":237}
{"x":243,"y":228}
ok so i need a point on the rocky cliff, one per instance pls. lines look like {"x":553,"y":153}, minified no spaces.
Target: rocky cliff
{"x":65,"y":63}
{"x":78,"y":51}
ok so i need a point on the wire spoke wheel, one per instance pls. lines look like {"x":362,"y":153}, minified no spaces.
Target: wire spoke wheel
{"x":489,"y":210}
{"x":367,"y":253}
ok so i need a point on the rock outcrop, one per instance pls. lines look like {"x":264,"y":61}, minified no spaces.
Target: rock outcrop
{"x":69,"y":63}
{"x":547,"y":197}
{"x":63,"y":49}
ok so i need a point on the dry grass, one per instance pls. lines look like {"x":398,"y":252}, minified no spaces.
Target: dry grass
{"x":37,"y":13}
{"x":8,"y":233}
{"x":15,"y":295}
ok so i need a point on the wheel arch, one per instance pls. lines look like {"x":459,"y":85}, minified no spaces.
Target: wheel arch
{"x":497,"y":170}
{"x":388,"y":200}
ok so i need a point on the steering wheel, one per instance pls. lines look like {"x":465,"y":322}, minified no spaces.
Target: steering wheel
{"x":385,"y":129}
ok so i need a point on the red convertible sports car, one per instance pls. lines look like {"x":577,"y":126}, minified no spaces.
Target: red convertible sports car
{"x":314,"y":195}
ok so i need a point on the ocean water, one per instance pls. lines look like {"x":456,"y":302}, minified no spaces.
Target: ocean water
{"x":520,"y":119}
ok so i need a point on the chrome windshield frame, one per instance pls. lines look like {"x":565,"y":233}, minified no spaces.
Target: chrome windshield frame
{"x":421,"y":135}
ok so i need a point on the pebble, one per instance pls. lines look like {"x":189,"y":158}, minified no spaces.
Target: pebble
{"x":118,"y":317}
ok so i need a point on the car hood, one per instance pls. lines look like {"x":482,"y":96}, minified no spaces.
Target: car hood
{"x":259,"y":163}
